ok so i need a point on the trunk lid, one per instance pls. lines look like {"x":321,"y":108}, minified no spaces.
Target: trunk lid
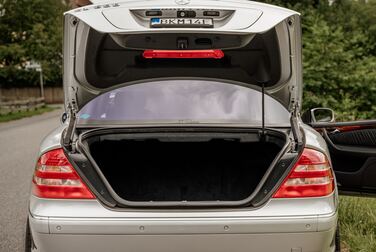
{"x":93,"y":31}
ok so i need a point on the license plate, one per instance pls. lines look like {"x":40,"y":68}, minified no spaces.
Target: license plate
{"x":181,"y":23}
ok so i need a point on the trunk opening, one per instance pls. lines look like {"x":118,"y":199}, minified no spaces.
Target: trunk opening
{"x":184,"y":167}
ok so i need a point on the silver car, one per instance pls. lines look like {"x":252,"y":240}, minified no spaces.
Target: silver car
{"x":183,"y":132}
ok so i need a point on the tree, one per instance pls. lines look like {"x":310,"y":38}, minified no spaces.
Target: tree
{"x":339,"y":55}
{"x":336,"y":73}
{"x":30,"y":30}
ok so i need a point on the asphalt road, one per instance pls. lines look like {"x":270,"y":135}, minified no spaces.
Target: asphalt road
{"x":19,"y":144}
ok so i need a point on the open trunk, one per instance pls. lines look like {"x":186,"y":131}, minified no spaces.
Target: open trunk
{"x":129,"y":71}
{"x":184,"y":168}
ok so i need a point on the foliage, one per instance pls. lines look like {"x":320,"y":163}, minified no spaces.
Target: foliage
{"x":339,"y":55}
{"x":30,"y":30}
{"x":339,"y":71}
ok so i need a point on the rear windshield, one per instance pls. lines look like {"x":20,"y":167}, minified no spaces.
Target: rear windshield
{"x":183,"y":101}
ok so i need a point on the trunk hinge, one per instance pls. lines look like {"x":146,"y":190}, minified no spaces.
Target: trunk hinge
{"x":297,"y":135}
{"x":69,"y":132}
{"x":262,"y":77}
{"x":263,"y":112}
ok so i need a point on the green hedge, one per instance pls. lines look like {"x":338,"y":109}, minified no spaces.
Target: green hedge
{"x":339,"y":56}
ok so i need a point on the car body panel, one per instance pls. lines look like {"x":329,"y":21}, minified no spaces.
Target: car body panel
{"x":281,"y":242}
{"x":93,"y":209}
{"x":182,"y":226}
{"x":52,"y":140}
{"x":313,"y":139}
{"x":280,"y":219}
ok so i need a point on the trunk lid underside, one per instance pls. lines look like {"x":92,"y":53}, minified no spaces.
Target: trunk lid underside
{"x":107,"y":43}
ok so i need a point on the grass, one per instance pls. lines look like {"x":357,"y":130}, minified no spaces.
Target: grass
{"x":19,"y":115}
{"x":357,"y":217}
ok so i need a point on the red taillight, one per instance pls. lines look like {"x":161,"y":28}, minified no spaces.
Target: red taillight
{"x":183,"y":54}
{"x":311,"y":177}
{"x":55,"y":177}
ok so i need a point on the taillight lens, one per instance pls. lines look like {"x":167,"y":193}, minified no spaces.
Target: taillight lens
{"x":183,"y":54}
{"x":311,"y":177}
{"x":55,"y":177}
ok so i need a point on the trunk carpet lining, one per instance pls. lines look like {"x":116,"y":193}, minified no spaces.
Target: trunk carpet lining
{"x":150,"y":170}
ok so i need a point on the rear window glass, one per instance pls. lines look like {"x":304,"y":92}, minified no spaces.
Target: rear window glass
{"x":183,"y":101}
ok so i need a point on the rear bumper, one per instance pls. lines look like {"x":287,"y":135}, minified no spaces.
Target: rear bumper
{"x":196,"y":234}
{"x":306,"y":242}
{"x":280,"y":225}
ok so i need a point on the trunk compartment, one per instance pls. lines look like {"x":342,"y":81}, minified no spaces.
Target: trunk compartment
{"x":181,"y":167}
